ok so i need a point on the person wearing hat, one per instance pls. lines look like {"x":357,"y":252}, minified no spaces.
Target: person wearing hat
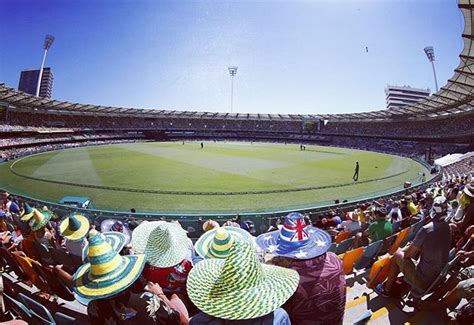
{"x":321,"y":294}
{"x":210,"y":225}
{"x":379,"y":229}
{"x":431,"y":243}
{"x":113,"y":289}
{"x":169,"y":253}
{"x":216,"y":243}
{"x":239,"y":289}
{"x":118,"y":226}
{"x":38,"y":223}
{"x":74,"y":229}
{"x":464,"y":216}
{"x":351,"y":223}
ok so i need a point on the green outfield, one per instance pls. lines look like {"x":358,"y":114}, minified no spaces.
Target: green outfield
{"x":184,"y":177}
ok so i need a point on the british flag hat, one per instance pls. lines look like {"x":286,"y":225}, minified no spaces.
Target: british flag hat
{"x":295,"y":239}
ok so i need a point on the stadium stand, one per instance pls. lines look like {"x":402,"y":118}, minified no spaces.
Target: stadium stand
{"x":46,"y":281}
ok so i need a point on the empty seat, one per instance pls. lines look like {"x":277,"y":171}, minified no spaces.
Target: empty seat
{"x":343,"y":235}
{"x":379,"y":271}
{"x":344,"y":246}
{"x":350,"y":258}
{"x":369,"y":256}
{"x":398,"y":241}
{"x":63,"y":319}
{"x":38,"y":311}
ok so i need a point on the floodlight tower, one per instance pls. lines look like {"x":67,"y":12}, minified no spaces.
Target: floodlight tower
{"x":48,"y":41}
{"x":233,"y":72}
{"x":429,"y":51}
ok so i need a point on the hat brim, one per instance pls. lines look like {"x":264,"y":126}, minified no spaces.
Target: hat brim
{"x":203,"y":244}
{"x":87,"y":289}
{"x":26,"y":216}
{"x":317,"y":244}
{"x":75,"y":234}
{"x":106,"y":226}
{"x":468,"y":192}
{"x":113,"y":238}
{"x":143,"y":244}
{"x":277,"y":286}
{"x":38,"y":225}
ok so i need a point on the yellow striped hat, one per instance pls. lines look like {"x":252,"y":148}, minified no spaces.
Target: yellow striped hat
{"x":27,"y":212}
{"x":239,"y":287}
{"x":216,"y":243}
{"x":39,"y":219}
{"x":74,"y":227}
{"x":107,"y":273}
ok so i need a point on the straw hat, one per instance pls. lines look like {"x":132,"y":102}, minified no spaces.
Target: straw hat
{"x":216,"y":243}
{"x":39,"y":219}
{"x":209,"y":225}
{"x":27,"y":213}
{"x":107,"y":273}
{"x":295,"y":239}
{"x":165,"y":244}
{"x":239,"y":287}
{"x":74,"y":227}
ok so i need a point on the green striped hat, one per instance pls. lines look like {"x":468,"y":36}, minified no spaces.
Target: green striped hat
{"x":40,"y":219}
{"x":216,"y":243}
{"x":165,"y":244}
{"x":239,"y":287}
{"x":106,"y":273}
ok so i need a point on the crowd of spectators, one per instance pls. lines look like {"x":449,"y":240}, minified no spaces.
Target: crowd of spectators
{"x":150,"y":271}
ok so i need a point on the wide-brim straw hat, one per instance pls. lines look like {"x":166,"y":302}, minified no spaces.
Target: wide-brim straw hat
{"x":74,"y":227}
{"x":295,"y":239}
{"x":39,"y":219}
{"x":165,"y":244}
{"x":106,"y":273}
{"x":216,"y":243}
{"x":27,"y":213}
{"x":108,"y":225}
{"x":239,"y":287}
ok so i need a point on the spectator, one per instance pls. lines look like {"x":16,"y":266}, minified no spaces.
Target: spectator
{"x":121,"y":298}
{"x":168,"y":251}
{"x":432,"y":243}
{"x":240,"y":290}
{"x":352,"y":224}
{"x":210,"y":225}
{"x":321,"y":293}
{"x":380,"y":229}
{"x":216,"y":243}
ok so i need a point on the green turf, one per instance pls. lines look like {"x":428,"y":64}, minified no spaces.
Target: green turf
{"x":219,"y":167}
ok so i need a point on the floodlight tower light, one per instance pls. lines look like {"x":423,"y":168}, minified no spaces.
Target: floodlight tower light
{"x":233,"y":72}
{"x":48,"y":41}
{"x":429,"y":51}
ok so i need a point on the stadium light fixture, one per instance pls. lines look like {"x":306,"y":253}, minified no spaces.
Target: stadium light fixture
{"x":48,"y":41}
{"x":233,"y":72}
{"x":429,"y":51}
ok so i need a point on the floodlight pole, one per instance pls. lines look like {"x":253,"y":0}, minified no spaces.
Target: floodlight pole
{"x":429,"y":51}
{"x":233,"y":72}
{"x":48,"y":41}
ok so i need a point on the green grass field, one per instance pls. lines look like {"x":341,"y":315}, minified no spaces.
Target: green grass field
{"x":219,"y":167}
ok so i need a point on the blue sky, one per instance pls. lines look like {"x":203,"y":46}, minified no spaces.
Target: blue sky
{"x":292,"y":56}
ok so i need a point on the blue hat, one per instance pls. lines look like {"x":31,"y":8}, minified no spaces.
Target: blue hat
{"x":295,"y":239}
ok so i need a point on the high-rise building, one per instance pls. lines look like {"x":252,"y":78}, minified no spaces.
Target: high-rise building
{"x":29,"y":80}
{"x":397,"y":97}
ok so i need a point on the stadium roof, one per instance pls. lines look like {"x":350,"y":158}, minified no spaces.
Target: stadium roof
{"x":457,"y":96}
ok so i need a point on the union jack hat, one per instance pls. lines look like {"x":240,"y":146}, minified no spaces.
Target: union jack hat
{"x":295,"y":239}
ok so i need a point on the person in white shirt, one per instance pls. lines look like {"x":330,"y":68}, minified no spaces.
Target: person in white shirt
{"x":353,"y":224}
{"x":395,"y":214}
